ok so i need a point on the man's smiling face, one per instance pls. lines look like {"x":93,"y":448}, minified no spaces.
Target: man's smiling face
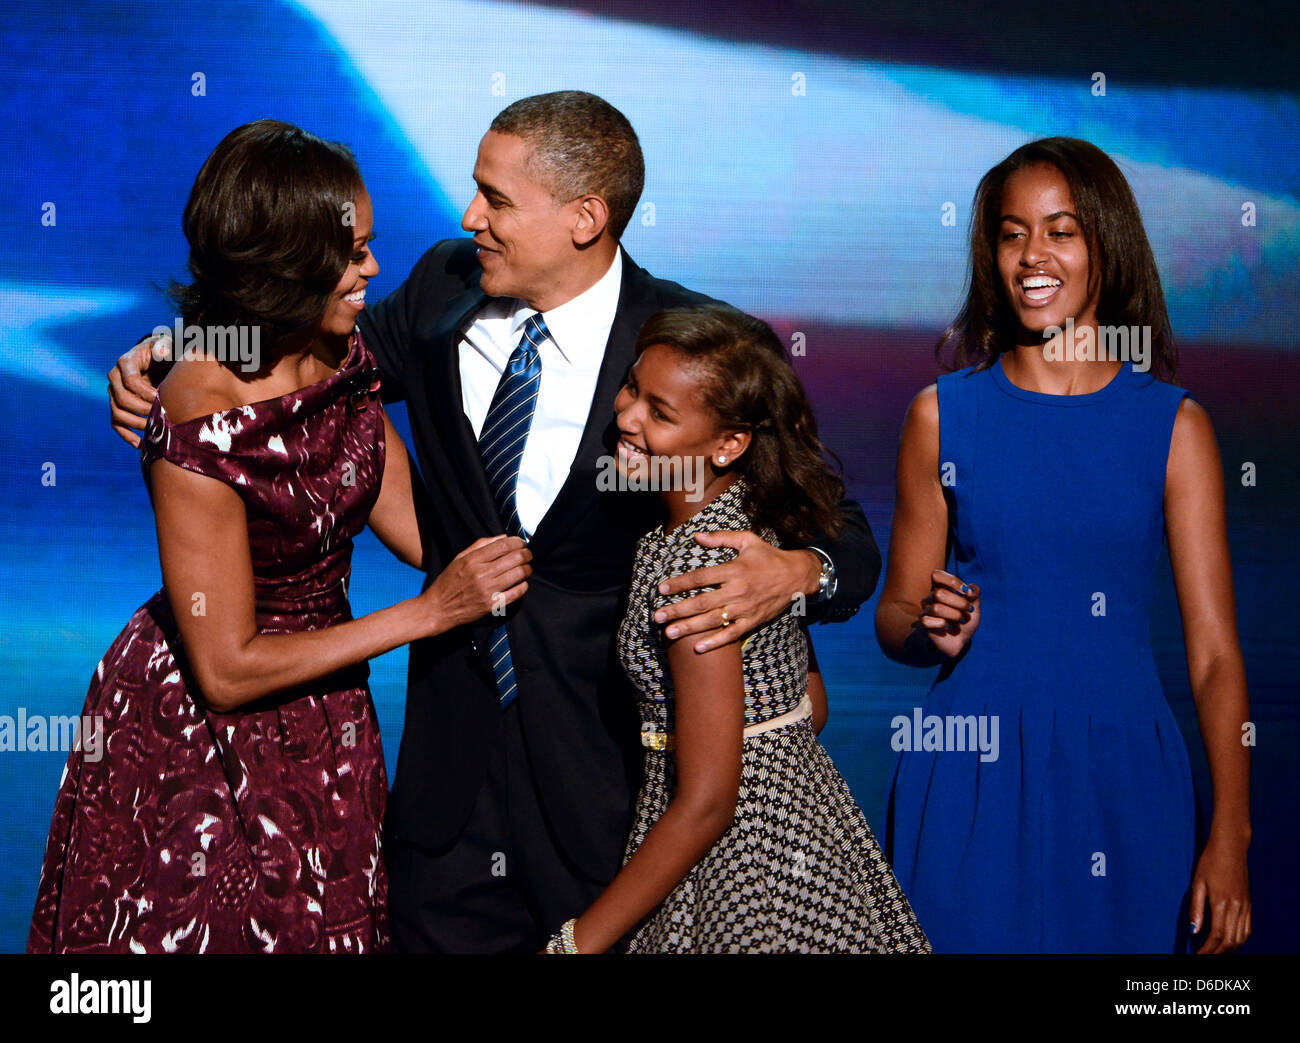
{"x":524,"y":236}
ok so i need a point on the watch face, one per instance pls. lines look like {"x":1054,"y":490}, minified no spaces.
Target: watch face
{"x":826,"y":584}
{"x":826,"y":580}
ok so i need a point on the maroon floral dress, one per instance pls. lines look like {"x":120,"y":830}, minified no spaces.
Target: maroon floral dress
{"x":256,"y":830}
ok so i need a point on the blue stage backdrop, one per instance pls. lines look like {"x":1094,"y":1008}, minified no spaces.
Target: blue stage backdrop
{"x":810,"y":165}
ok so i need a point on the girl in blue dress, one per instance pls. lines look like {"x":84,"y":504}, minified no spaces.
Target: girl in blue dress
{"x":1044,"y":803}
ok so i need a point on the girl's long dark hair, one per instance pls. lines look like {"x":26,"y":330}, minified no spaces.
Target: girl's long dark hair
{"x":1118,"y":253}
{"x":266,"y":223}
{"x":747,"y":381}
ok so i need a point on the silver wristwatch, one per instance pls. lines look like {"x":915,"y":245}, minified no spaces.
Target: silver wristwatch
{"x":827,"y":582}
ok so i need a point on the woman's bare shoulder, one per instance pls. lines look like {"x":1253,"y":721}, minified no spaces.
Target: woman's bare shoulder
{"x":196,"y":388}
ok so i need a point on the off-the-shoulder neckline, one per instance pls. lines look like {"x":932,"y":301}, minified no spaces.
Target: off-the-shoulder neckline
{"x":348,"y":361}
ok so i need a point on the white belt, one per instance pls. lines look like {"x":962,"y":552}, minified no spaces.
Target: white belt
{"x":661,"y":741}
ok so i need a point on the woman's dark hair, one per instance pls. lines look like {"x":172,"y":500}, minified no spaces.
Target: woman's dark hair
{"x":747,"y":381}
{"x":268,"y":230}
{"x":1118,"y":253}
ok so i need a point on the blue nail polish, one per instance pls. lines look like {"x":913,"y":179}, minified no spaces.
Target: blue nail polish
{"x":965,"y":589}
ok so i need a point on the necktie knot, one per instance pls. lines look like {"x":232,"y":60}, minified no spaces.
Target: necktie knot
{"x":535,"y":333}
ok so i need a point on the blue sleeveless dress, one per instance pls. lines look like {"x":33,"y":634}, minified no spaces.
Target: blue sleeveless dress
{"x":1061,"y":819}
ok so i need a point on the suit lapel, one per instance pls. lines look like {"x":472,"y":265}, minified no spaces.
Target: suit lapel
{"x":461,"y":463}
{"x":636,"y":303}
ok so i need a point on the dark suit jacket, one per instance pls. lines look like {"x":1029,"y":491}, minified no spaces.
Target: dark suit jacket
{"x":577,"y":710}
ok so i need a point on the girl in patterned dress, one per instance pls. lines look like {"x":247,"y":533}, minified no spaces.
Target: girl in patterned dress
{"x":746,"y":838}
{"x":235,"y":798}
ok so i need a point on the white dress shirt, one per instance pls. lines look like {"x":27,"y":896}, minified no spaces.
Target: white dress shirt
{"x":571,"y":359}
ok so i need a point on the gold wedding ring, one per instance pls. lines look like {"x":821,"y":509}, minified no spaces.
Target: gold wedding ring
{"x":726,"y":619}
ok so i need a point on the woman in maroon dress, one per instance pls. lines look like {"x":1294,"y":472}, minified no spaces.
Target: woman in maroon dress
{"x":238,"y":802}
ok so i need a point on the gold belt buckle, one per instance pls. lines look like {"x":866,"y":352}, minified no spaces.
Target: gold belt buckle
{"x":658,"y":741}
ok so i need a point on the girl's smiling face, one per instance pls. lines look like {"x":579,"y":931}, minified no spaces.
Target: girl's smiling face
{"x":661,"y":415}
{"x":1042,"y":255}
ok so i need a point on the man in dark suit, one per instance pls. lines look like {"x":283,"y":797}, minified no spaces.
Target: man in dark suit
{"x":519,"y":759}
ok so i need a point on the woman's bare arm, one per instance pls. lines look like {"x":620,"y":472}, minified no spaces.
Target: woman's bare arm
{"x":1196,"y":526}
{"x":208,"y":570}
{"x":208,"y":575}
{"x":395,"y":518}
{"x":924,"y":614}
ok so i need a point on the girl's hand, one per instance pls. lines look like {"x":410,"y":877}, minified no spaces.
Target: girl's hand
{"x":1221,"y":878}
{"x":950,"y":613}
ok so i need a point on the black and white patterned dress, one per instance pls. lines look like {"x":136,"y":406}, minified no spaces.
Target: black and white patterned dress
{"x":798,"y":870}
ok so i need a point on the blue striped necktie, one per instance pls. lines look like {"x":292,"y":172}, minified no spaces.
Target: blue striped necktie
{"x":501,"y":444}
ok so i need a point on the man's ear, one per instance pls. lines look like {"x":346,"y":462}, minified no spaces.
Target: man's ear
{"x":590,"y":218}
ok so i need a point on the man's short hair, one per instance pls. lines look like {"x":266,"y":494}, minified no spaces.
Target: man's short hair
{"x":579,"y":144}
